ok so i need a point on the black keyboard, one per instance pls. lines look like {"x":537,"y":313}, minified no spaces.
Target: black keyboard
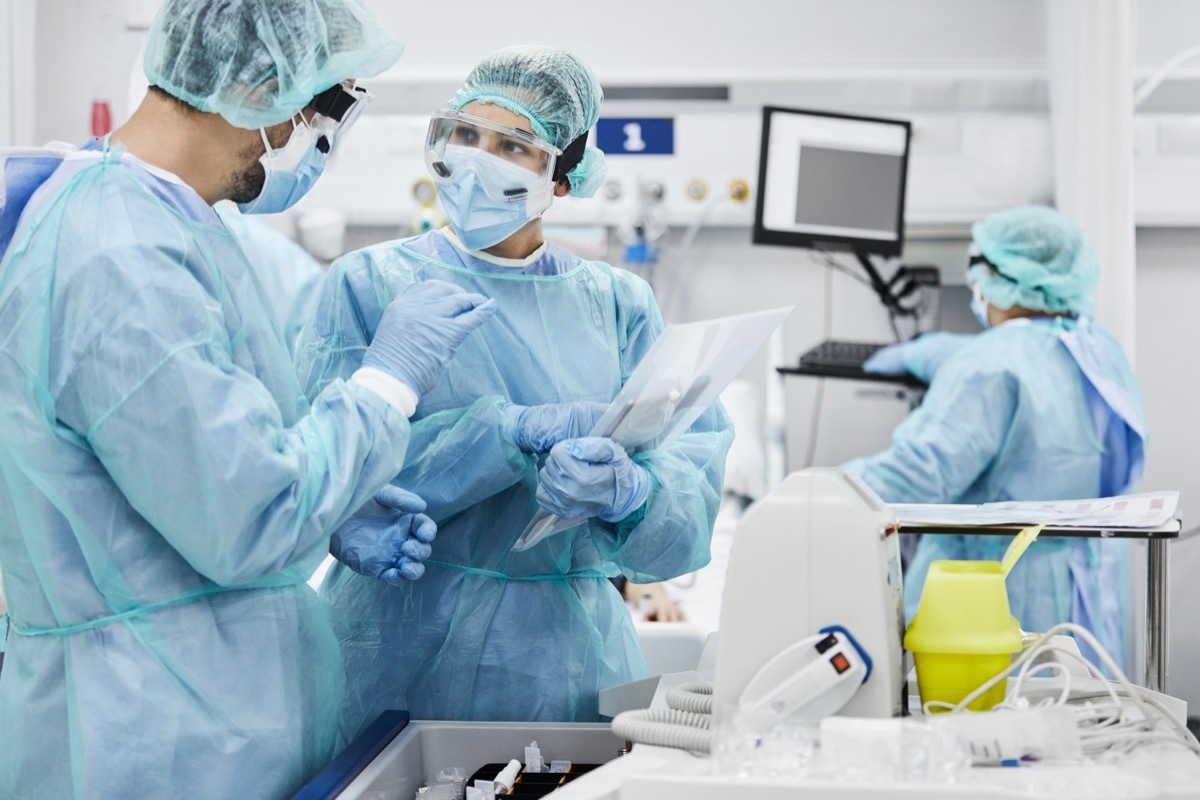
{"x":840,"y":355}
{"x":841,"y":359}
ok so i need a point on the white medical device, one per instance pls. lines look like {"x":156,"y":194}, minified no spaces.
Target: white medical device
{"x":808,"y":681}
{"x":821,"y":550}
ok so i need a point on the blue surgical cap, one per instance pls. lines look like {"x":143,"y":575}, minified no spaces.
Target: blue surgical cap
{"x":1039,"y":260}
{"x":556,"y":91}
{"x":258,"y":62}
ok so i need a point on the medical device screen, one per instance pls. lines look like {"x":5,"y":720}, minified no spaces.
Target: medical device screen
{"x":831,"y":181}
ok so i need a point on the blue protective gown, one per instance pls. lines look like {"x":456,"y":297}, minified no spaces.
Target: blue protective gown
{"x":290,"y":276}
{"x":487,"y":633}
{"x":1044,"y":409}
{"x":165,"y":490}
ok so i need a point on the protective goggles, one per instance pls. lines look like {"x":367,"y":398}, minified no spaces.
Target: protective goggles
{"x":337,"y":109}
{"x":457,"y":131}
{"x":978,"y":259}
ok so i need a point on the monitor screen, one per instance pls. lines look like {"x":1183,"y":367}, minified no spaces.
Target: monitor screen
{"x":831,"y":181}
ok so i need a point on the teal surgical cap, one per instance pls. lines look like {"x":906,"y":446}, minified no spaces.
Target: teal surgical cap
{"x":258,"y":62}
{"x":1037,"y":259}
{"x":556,"y":91}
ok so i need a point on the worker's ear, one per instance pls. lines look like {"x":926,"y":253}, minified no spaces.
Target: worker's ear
{"x":562,"y":188}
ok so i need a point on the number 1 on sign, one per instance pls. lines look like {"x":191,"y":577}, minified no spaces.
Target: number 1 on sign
{"x":633,"y":138}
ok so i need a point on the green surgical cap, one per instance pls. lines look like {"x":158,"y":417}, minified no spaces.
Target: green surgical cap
{"x":556,"y":91}
{"x":258,"y":62}
{"x":1042,"y":261}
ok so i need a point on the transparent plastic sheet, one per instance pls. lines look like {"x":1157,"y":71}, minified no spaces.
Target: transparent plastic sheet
{"x":784,"y":751}
{"x":841,"y":749}
{"x":1028,"y":734}
{"x":874,"y":750}
{"x":448,"y":784}
{"x":678,"y":379}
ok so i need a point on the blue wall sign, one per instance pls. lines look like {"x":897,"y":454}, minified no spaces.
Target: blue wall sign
{"x":636,"y":136}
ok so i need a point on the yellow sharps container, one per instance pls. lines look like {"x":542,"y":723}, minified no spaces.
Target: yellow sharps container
{"x":962,"y":633}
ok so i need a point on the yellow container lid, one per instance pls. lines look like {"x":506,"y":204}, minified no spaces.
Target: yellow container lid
{"x":964,"y":609}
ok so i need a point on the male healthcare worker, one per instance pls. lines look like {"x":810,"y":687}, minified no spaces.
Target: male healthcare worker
{"x":1042,"y":405}
{"x":166,"y":488}
{"x":489,"y":633}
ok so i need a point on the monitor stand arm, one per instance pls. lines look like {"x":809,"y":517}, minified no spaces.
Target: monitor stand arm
{"x":903,"y":284}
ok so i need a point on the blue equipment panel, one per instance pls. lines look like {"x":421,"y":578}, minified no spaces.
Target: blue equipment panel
{"x":636,"y":136}
{"x":346,"y":765}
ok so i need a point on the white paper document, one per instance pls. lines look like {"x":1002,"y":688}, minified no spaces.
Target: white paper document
{"x":1150,"y":510}
{"x":676,"y":381}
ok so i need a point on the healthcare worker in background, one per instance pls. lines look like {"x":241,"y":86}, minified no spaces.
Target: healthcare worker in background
{"x":488,"y":633}
{"x":1042,"y":405}
{"x":290,"y":276}
{"x":167,"y":489}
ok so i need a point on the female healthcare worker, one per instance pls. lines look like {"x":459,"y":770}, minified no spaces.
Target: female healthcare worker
{"x":1042,"y":405}
{"x":489,"y":633}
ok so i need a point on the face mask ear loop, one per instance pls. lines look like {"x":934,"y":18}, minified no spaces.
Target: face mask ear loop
{"x":271,"y":151}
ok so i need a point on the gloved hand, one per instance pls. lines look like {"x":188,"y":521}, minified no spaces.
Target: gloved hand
{"x":922,"y":357}
{"x":536,"y":429}
{"x":591,"y":477}
{"x":420,"y":330}
{"x":388,"y":538}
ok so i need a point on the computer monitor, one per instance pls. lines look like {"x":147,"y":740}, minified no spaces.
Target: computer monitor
{"x":831,"y":181}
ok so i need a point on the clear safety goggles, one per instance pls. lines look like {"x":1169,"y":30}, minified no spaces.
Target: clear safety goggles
{"x":518,"y":148}
{"x":975,"y":258}
{"x":337,"y":109}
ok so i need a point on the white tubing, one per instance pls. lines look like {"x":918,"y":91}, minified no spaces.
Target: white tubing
{"x":695,"y":697}
{"x":664,"y":727}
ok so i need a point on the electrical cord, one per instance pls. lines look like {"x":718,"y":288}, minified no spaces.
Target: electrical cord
{"x":814,"y":420}
{"x":1106,"y":729}
{"x":679,"y":286}
{"x":895,"y":327}
{"x":1173,"y":63}
{"x":830,"y":262}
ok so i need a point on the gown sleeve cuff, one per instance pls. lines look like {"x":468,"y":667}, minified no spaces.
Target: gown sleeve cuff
{"x":397,"y":393}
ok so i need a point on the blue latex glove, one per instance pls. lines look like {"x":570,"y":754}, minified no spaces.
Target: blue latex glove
{"x":591,"y":477}
{"x":922,"y":357}
{"x":420,"y":330}
{"x":387,"y":539}
{"x":536,"y":429}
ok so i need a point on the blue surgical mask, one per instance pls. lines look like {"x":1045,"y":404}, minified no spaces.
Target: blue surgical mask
{"x":979,"y":307}
{"x":474,"y":196}
{"x":291,"y":171}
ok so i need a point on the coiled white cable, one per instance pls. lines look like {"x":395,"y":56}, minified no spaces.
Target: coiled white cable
{"x":685,"y":725}
{"x":665,"y":727}
{"x":1106,"y":727}
{"x":694,"y":697}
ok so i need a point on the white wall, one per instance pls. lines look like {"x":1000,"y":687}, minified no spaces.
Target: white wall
{"x":84,"y":52}
{"x":85,"y":48}
{"x":629,"y":36}
{"x":17,"y":25}
{"x":1165,"y":27}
